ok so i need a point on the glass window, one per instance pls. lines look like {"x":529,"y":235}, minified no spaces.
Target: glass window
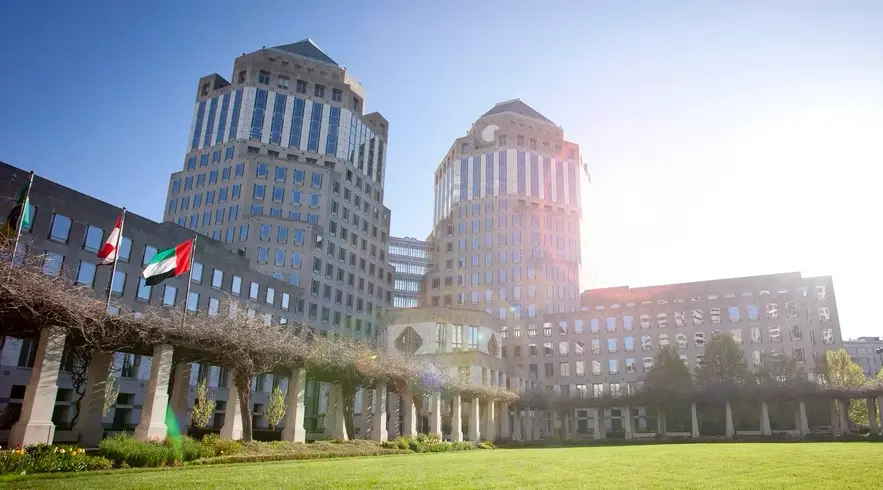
{"x":119,"y":283}
{"x":733,"y":312}
{"x":61,"y":228}
{"x":197,"y":272}
{"x":85,"y":274}
{"x":213,"y":306}
{"x":253,"y":290}
{"x":143,"y":290}
{"x":217,"y":278}
{"x":237,"y":285}
{"x":94,"y":238}
{"x":611,"y":345}
{"x":613,"y":366}
{"x":611,"y":323}
{"x":193,"y":302}
{"x":169,"y":296}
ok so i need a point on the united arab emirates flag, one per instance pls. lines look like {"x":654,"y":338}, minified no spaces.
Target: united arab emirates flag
{"x":169,"y":263}
{"x":20,"y":211}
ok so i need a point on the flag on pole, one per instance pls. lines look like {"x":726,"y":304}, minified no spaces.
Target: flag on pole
{"x":171,"y":262}
{"x":21,"y":211}
{"x":108,"y":253}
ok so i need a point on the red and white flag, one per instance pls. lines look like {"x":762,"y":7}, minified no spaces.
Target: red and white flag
{"x":108,"y":252}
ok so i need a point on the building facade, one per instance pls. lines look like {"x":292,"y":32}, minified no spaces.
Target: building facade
{"x":410,"y":258}
{"x":867,"y":352}
{"x":67,"y":229}
{"x":611,"y":342}
{"x":284,"y":167}
{"x":506,"y":236}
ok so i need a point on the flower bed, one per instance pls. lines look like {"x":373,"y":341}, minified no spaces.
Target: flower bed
{"x":46,"y":458}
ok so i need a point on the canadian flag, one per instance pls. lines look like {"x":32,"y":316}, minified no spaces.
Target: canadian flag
{"x":108,"y":252}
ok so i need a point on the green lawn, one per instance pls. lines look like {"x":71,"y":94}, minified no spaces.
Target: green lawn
{"x":696,"y":466}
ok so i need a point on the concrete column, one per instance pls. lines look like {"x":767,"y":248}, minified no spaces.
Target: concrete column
{"x":872,"y":414}
{"x":367,"y":405}
{"x":294,"y":414}
{"x":338,"y":417}
{"x":844,"y":417}
{"x":490,"y":422}
{"x":153,"y":412}
{"x":435,"y":416}
{"x":694,"y":412}
{"x":802,"y":424}
{"x":628,"y":422}
{"x":600,"y":432}
{"x":765,"y":428}
{"x":729,"y":418}
{"x":474,"y":420}
{"x":394,"y":418}
{"x":528,"y":425}
{"x":879,"y":409}
{"x":835,"y":418}
{"x":89,"y":428}
{"x":505,"y":432}
{"x":661,"y":426}
{"x":178,"y":402}
{"x":457,"y":419}
{"x":378,"y":428}
{"x":232,"y":428}
{"x":409,"y":427}
{"x":35,"y":423}
{"x":516,"y":425}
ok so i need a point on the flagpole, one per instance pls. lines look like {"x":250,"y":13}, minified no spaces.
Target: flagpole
{"x":24,"y":212}
{"x":189,"y":281}
{"x":116,"y":257}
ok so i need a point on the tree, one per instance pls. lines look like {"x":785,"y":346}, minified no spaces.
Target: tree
{"x":203,"y":406}
{"x":779,"y":370}
{"x":276,"y":408}
{"x":842,"y":373}
{"x":668,"y":373}
{"x":723,"y":363}
{"x":77,"y":361}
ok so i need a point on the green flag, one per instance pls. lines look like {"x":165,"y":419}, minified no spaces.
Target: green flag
{"x":21,"y":211}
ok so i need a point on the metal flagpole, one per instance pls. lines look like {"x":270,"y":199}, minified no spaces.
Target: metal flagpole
{"x":22,"y":213}
{"x":116,"y":251}
{"x":189,"y":281}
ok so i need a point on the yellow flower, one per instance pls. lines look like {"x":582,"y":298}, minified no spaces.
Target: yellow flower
{"x":62,"y":451}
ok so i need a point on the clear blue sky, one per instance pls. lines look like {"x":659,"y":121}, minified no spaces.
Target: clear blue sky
{"x":722,"y":140}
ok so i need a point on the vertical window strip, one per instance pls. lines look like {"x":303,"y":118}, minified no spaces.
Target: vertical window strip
{"x":197,"y":127}
{"x":210,"y":123}
{"x":234,"y":122}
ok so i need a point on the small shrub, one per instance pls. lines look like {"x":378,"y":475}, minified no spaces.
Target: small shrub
{"x":135,"y":453}
{"x":462,"y":446}
{"x":440,"y":447}
{"x":220,"y":447}
{"x":486,"y":445}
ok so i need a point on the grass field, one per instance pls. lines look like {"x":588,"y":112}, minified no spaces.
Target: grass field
{"x":693,"y":466}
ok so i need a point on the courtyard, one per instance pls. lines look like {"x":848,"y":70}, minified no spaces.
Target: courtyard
{"x":680,"y":466}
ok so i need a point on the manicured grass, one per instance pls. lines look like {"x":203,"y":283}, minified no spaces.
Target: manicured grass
{"x":682,"y":466}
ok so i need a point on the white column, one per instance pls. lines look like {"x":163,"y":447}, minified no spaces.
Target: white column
{"x":765,"y":428}
{"x":802,"y":423}
{"x":435,"y":418}
{"x":729,"y":420}
{"x":872,"y":414}
{"x":835,"y":419}
{"x":505,"y":432}
{"x":395,"y":422}
{"x":528,"y":424}
{"x":457,"y":418}
{"x":378,"y":429}
{"x":409,"y":427}
{"x":338,"y":417}
{"x":844,"y":417}
{"x":694,"y":413}
{"x":628,"y":422}
{"x":490,"y":423}
{"x":598,"y":426}
{"x":180,"y":393}
{"x":153,"y":413}
{"x":89,"y":428}
{"x":293,"y":429}
{"x":661,"y":426}
{"x":474,"y":420}
{"x":35,"y":423}
{"x":880,"y":410}
{"x":516,"y":424}
{"x":365,"y":426}
{"x":232,"y":428}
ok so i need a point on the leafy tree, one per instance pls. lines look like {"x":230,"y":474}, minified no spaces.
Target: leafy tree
{"x":276,"y":408}
{"x":668,"y":373}
{"x":723,"y":363}
{"x":203,"y":407}
{"x":779,"y":371}
{"x":841,"y":372}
